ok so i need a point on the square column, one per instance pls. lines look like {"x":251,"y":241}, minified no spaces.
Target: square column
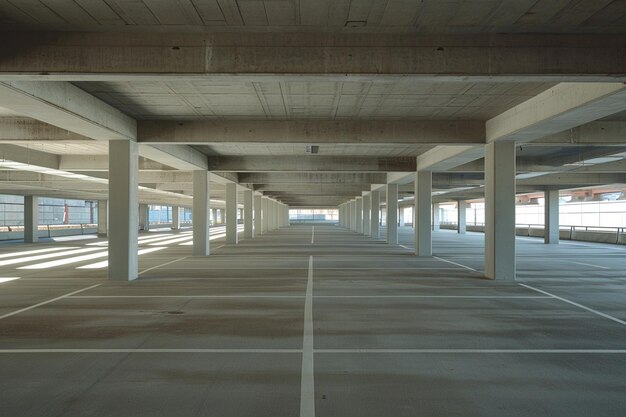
{"x":359,"y":215}
{"x":175,"y":218}
{"x":265,"y":223}
{"x":123,"y":207}
{"x":392,"y":214}
{"x":231,"y":213}
{"x":258,"y":216}
{"x":401,"y":221}
{"x":348,"y":216}
{"x":551,"y":212}
{"x":375,"y":214}
{"x":500,"y":211}
{"x":353,"y":215}
{"x":31,"y":219}
{"x":144,"y":217}
{"x":461,"y":217}
{"x":200,"y":213}
{"x":103,"y":218}
{"x":270,"y":215}
{"x":248,"y":210}
{"x":367,"y":206}
{"x":276,"y":215}
{"x":436,"y":217}
{"x":421,"y":221}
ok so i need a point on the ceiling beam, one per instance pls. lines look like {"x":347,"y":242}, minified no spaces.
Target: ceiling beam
{"x":68,"y":107}
{"x":157,"y":56}
{"x":27,"y":129}
{"x":310,"y":163}
{"x":602,"y":133}
{"x":562,"y":107}
{"x":311,"y":178}
{"x":312,"y":132}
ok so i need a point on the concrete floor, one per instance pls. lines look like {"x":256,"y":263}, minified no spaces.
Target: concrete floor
{"x":332,"y":321}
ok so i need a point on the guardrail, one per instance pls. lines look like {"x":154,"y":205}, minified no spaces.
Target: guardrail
{"x":616,"y":235}
{"x":48,"y":230}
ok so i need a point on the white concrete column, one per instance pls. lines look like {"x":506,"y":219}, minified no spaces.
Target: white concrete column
{"x":201,"y":213}
{"x":258,"y":216}
{"x":231,"y":213}
{"x":367,"y":223}
{"x":348,"y":216}
{"x":123,"y":209}
{"x":103,"y":218}
{"x":144,"y":217}
{"x":248,"y":210}
{"x":461,"y":217}
{"x":375,"y":214}
{"x":436,"y":217}
{"x":175,"y":218}
{"x":270,"y":215}
{"x":401,"y":221}
{"x":551,"y":218}
{"x":31,"y":219}
{"x":500,"y":210}
{"x":359,"y":215}
{"x":421,"y":213}
{"x":276,"y":215}
{"x":353,"y":218}
{"x":392,"y":214}
{"x":265,"y":221}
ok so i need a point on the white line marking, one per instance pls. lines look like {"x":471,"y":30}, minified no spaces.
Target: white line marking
{"x":312,"y":235}
{"x":454,"y":263}
{"x":580,"y":263}
{"x":599,"y":313}
{"x":200,"y":296}
{"x":432,"y":296}
{"x":531,"y":351}
{"x":150,"y":351}
{"x":307,"y":384}
{"x":47,"y":302}
{"x":163,"y":264}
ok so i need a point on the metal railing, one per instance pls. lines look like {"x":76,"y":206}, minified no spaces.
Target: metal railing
{"x":49,"y":228}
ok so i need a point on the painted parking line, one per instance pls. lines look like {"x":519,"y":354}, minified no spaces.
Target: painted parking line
{"x":591,"y":310}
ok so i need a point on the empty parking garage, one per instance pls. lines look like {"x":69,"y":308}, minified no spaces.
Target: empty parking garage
{"x":312,"y":208}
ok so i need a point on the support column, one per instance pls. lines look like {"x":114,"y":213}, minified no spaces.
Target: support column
{"x":500,"y":210}
{"x":276,"y":215}
{"x":175,"y":218}
{"x":375,"y":214}
{"x":200,"y":213}
{"x":248,"y":210}
{"x":421,"y":213}
{"x":123,"y":207}
{"x":367,"y":206}
{"x":265,"y":222}
{"x":31,"y":219}
{"x":258,"y":216}
{"x":353,"y":218}
{"x":231,"y":213}
{"x":461,"y":217}
{"x":401,"y":221}
{"x":103,"y":218}
{"x":392,"y":214}
{"x":144,"y":217}
{"x":436,"y":217}
{"x":551,"y":221}
{"x":359,"y":215}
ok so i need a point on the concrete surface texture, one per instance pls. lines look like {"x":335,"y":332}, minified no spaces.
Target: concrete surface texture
{"x":315,"y":317}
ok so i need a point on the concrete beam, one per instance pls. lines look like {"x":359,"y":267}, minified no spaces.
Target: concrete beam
{"x":312,"y":132}
{"x":562,"y":107}
{"x":309,"y":163}
{"x":157,"y":56}
{"x":66,"y":106}
{"x":602,"y":133}
{"x":27,"y":156}
{"x":27,"y":129}
{"x":313,"y":189}
{"x":311,"y":178}
{"x":443,"y":158}
{"x":178,"y":157}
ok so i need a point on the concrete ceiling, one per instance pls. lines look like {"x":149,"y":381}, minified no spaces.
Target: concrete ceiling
{"x":289,"y":99}
{"x":426,"y":16}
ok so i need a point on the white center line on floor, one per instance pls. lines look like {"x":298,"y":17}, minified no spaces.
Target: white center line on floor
{"x":163,"y":264}
{"x":434,"y":296}
{"x":200,"y":296}
{"x":454,"y":263}
{"x":307,"y":384}
{"x":584,"y":264}
{"x":5,"y":351}
{"x":47,"y":302}
{"x":312,"y":235}
{"x":591,"y":310}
